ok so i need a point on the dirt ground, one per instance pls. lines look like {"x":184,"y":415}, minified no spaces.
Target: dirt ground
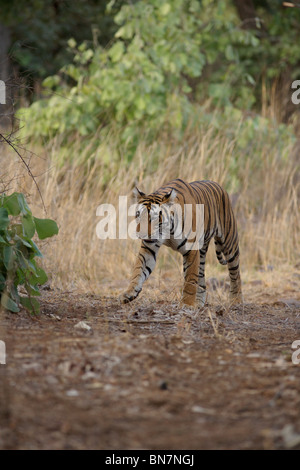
{"x":150,"y":375}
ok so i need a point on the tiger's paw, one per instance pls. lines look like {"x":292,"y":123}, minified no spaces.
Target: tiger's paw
{"x":236,"y":299}
{"x":128,"y":296}
{"x":188,"y":304}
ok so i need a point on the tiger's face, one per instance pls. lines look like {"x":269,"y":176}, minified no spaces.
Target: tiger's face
{"x":149,"y":219}
{"x":154,"y":217}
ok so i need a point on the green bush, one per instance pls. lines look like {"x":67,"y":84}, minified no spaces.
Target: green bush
{"x":142,"y":81}
{"x":18,"y":266}
{"x":166,"y":59}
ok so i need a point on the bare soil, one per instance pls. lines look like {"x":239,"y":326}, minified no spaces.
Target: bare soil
{"x":149,"y":375}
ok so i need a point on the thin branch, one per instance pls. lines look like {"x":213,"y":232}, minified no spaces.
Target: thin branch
{"x":27,"y":167}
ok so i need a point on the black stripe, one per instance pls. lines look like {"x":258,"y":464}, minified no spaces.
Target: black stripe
{"x":233,"y":258}
{"x":151,"y":251}
{"x":143,"y":257}
{"x":234,"y":268}
{"x":182,"y":243}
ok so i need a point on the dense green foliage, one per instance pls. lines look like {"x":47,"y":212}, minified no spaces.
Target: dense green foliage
{"x":166,"y":58}
{"x":18,"y":251}
{"x":40,"y":29}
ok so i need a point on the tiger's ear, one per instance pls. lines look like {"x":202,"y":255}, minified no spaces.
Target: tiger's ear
{"x":137,"y":194}
{"x":169,"y":197}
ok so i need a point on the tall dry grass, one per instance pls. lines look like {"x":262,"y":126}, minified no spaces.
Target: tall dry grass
{"x":266,"y":202}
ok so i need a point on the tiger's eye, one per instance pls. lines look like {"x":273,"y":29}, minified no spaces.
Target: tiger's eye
{"x":137,"y":214}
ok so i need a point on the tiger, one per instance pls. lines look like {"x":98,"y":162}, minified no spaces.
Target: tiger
{"x":219,"y":223}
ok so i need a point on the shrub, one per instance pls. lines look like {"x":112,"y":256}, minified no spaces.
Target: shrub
{"x":18,"y":253}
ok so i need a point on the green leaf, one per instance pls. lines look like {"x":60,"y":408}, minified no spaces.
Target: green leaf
{"x":165,"y":9}
{"x":8,"y":303}
{"x":20,"y":276}
{"x":116,"y":51}
{"x":72,"y":43}
{"x":36,"y":251}
{"x":14,"y":294}
{"x":8,"y":256}
{"x":11,"y":203}
{"x":33,"y":290}
{"x":38,"y":275}
{"x":125,"y":32}
{"x":23,"y":241}
{"x":45,"y":227}
{"x":250,"y":79}
{"x":230,"y":53}
{"x":4,"y":220}
{"x":23,"y":204}
{"x":28,"y":225}
{"x":2,"y":282}
{"x":31,"y":304}
{"x":41,"y":276}
{"x":22,"y":261}
{"x":51,"y":82}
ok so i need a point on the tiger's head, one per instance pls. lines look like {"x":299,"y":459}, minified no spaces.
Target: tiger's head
{"x":154,"y":215}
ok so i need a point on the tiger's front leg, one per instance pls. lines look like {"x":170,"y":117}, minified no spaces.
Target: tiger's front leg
{"x":144,"y":266}
{"x":191,"y":260}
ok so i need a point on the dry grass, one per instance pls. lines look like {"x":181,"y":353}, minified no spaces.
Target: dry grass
{"x":266,"y":203}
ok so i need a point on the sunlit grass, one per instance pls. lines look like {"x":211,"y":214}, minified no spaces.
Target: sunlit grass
{"x":264,"y":189}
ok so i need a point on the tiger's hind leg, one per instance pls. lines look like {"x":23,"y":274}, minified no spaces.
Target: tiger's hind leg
{"x":233,"y":264}
{"x":218,"y":247}
{"x":201,"y":288}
